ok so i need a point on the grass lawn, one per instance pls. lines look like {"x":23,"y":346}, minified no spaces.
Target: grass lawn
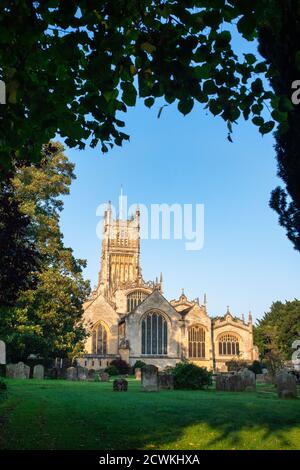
{"x":83,"y":415}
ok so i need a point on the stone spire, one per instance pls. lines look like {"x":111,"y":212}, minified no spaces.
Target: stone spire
{"x":161,"y":282}
{"x":250,"y":318}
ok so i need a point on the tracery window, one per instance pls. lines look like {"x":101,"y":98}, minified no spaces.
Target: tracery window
{"x":99,"y":340}
{"x":229,"y":345}
{"x":154,"y":334}
{"x":134,"y":299}
{"x":196,"y":342}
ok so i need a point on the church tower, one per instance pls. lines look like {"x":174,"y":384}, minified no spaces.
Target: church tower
{"x":120,"y":260}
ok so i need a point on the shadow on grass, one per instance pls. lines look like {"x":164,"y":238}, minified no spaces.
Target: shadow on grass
{"x":66,"y":415}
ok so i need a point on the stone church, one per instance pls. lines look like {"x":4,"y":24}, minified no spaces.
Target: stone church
{"x":131,"y":319}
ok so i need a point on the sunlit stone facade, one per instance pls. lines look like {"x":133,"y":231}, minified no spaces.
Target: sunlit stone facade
{"x":129,"y":318}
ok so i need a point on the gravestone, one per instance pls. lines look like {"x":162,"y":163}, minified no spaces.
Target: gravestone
{"x":56,"y":373}
{"x":120,"y":385}
{"x":260,"y":378}
{"x":82,"y":373}
{"x":165,"y":381}
{"x":138,"y":373}
{"x":104,"y":377}
{"x":91,"y":375}
{"x":229,"y":383}
{"x":2,"y":353}
{"x":149,"y":378}
{"x":18,"y":371}
{"x":248,"y":379}
{"x":38,"y":371}
{"x":61,"y":372}
{"x":286,"y":385}
{"x":72,"y":373}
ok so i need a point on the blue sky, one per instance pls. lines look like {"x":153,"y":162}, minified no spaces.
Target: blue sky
{"x":246,"y":262}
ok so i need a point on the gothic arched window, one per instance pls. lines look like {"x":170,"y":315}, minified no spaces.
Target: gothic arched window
{"x":134,"y":299}
{"x":154,"y":334}
{"x":196,"y":342}
{"x":229,"y":345}
{"x":99,"y":340}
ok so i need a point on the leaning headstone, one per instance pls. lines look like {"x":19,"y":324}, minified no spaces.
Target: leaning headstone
{"x":10,"y":371}
{"x":149,"y":378}
{"x":165,"y":381}
{"x":2,"y":353}
{"x":120,"y":385}
{"x":104,"y":377}
{"x":72,"y":373}
{"x":138,"y":373}
{"x":18,"y":371}
{"x":286,"y":385}
{"x":23,"y":371}
{"x":229,"y":383}
{"x":82,"y":373}
{"x":38,"y":372}
{"x":91,"y":375}
{"x":248,"y":380}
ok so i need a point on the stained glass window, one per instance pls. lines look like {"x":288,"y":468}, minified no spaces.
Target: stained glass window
{"x":99,"y":340}
{"x":154,"y":334}
{"x":196,"y":342}
{"x":229,"y":345}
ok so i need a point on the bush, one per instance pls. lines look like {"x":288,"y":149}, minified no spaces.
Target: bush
{"x":256,"y":367}
{"x":3,"y":386}
{"x":138,"y":365}
{"x":188,"y":375}
{"x":122,"y":366}
{"x":112,"y":370}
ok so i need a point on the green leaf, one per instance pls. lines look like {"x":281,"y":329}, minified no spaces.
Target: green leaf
{"x":129,"y":93}
{"x":148,"y":47}
{"x":257,"y":108}
{"x":267,"y":127}
{"x":202,"y":71}
{"x":215,"y":107}
{"x":149,"y":102}
{"x":246,"y":26}
{"x":257,"y":86}
{"x":185,"y":105}
{"x":261,"y":67}
{"x":250,"y":58}
{"x":258,"y":121}
{"x":209,"y":87}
